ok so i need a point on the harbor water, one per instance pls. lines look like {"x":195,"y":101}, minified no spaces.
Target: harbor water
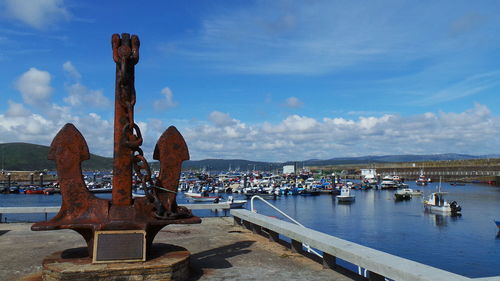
{"x":468,"y":244}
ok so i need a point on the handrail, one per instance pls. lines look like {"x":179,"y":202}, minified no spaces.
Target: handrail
{"x":378,"y":263}
{"x":309,"y":249}
{"x":54,"y":209}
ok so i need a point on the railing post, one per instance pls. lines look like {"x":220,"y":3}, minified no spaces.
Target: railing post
{"x":237,"y":221}
{"x":372,"y":276}
{"x":247,"y":225}
{"x":329,"y":261}
{"x":256,"y":229}
{"x":1,"y":217}
{"x":296,"y":246}
{"x":273,"y":236}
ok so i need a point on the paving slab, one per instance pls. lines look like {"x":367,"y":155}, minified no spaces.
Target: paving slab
{"x":219,"y":251}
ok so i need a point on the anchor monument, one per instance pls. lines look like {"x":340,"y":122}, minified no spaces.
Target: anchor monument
{"x":123,"y":228}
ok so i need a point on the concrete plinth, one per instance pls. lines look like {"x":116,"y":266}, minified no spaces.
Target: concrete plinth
{"x":165,"y":262}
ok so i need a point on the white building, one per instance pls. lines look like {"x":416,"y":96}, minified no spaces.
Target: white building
{"x":369,"y":173}
{"x":288,"y":169}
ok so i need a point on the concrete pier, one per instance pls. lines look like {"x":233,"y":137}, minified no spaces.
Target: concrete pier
{"x":220,"y":251}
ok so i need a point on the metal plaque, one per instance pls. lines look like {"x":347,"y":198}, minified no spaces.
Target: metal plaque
{"x":119,"y":246}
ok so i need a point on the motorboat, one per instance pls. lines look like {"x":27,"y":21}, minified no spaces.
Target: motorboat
{"x":437,"y":203}
{"x":233,"y":204}
{"x":388,"y":182}
{"x":498,"y":224}
{"x":417,"y":192}
{"x":214,"y":199}
{"x":403,"y":194}
{"x":421,"y":181}
{"x":345,"y":195}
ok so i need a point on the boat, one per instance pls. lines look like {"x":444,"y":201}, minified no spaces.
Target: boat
{"x":33,"y":190}
{"x":498,"y":224}
{"x":417,"y":192}
{"x":49,"y":191}
{"x":309,"y":192}
{"x":234,"y":204}
{"x":388,"y":182}
{"x":345,"y":195}
{"x":403,"y":194}
{"x":104,"y":189}
{"x":267,"y":196}
{"x":204,"y":199}
{"x":422,"y":180}
{"x":437,"y":203}
{"x":192,"y":194}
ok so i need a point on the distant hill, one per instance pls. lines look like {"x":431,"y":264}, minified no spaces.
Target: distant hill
{"x":227,"y":164}
{"x":27,"y":157}
{"x":394,"y":158}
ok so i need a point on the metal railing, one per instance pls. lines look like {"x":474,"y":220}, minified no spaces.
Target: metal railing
{"x":376,"y":265}
{"x":54,"y":209}
{"x":309,"y":249}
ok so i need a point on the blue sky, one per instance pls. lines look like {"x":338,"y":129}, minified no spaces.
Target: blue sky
{"x":260,"y":80}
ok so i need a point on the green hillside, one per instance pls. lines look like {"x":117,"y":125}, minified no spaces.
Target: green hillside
{"x":27,"y":157}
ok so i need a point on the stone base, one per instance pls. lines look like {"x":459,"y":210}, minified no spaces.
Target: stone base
{"x":165,"y":262}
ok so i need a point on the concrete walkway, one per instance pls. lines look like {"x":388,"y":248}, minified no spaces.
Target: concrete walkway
{"x":220,"y":251}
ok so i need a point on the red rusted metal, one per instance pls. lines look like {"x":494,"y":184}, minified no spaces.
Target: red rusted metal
{"x":85,"y":213}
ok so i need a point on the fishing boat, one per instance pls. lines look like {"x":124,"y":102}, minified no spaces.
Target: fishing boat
{"x":422,"y":180}
{"x":437,"y":203}
{"x":345,"y":195}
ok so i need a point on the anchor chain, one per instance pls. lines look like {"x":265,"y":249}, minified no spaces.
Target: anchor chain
{"x":131,"y":133}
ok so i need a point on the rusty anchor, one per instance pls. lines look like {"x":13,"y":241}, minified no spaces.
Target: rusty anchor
{"x":83,"y":212}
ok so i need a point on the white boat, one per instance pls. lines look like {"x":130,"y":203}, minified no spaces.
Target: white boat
{"x":437,"y":203}
{"x":416,"y":192}
{"x":403,"y":194}
{"x":234,"y":204}
{"x":214,"y":199}
{"x":345,"y":195}
{"x":388,"y":182}
{"x":192,"y":194}
{"x":422,"y":180}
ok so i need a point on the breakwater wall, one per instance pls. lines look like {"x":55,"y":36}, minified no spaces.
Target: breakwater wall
{"x":26,"y":177}
{"x":483,"y":170}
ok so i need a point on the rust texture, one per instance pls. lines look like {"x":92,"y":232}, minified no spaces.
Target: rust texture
{"x":85,"y":213}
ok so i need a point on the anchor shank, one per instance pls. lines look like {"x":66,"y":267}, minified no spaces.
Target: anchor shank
{"x":125,"y":54}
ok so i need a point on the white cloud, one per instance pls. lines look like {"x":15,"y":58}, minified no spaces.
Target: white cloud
{"x":16,"y":110}
{"x":37,"y":13}
{"x":293,"y":102}
{"x":301,"y":137}
{"x":41,"y":129}
{"x":34,"y":86}
{"x":71,"y":70}
{"x":79,"y":95}
{"x":221,"y":119}
{"x":167,"y":100}
{"x":294,"y":138}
